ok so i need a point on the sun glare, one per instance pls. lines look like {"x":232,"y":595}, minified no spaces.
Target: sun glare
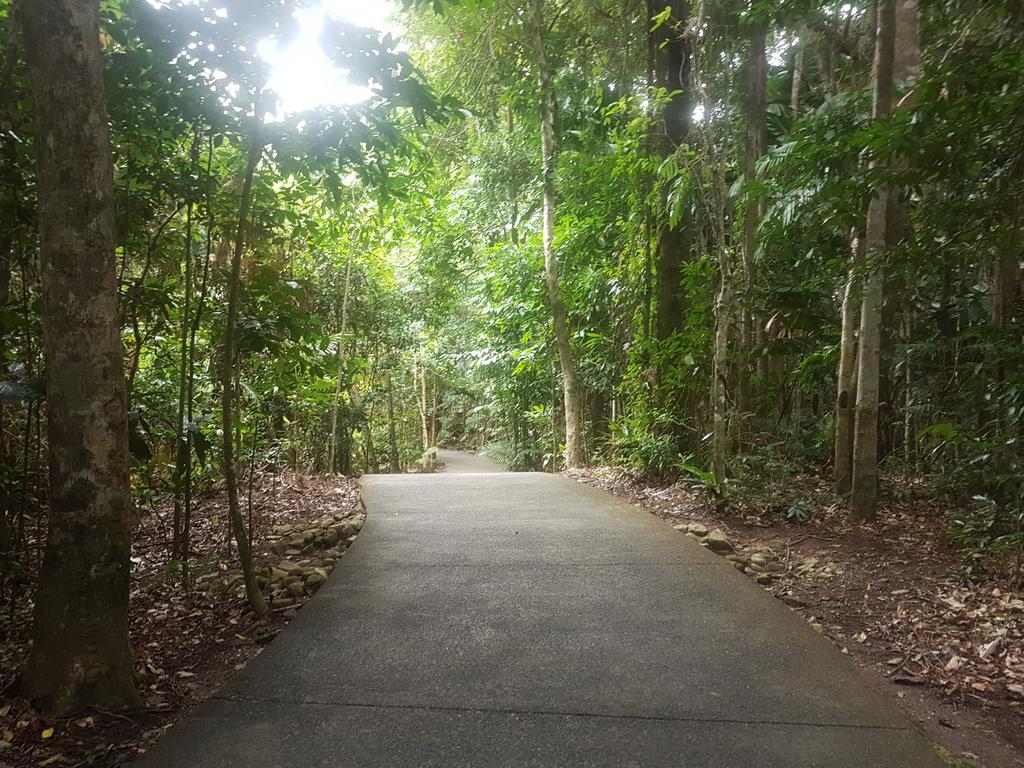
{"x":302,"y":75}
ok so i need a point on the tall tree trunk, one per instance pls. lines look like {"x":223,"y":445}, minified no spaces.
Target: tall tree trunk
{"x":648,"y":277}
{"x":423,"y":406}
{"x":10,"y":187}
{"x":798,"y":76}
{"x":333,"y":448}
{"x":673,"y":73}
{"x":907,"y":54}
{"x":753,"y":149}
{"x":433,"y":410}
{"x":1006,"y":272}
{"x":906,"y":64}
{"x":573,"y":417}
{"x":197,"y":319}
{"x":864,"y":488}
{"x":909,"y":442}
{"x":80,"y":652}
{"x":183,"y":455}
{"x":846,"y":387}
{"x":395,"y":462}
{"x":720,"y":366}
{"x":227,"y":381}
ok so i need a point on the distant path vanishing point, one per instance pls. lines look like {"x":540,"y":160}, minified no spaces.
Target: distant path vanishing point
{"x":461,"y":462}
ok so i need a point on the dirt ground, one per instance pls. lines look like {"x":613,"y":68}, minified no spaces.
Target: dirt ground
{"x":886,"y":594}
{"x":187,"y":643}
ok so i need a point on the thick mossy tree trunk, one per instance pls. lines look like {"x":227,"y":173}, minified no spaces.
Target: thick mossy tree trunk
{"x":227,"y":382}
{"x":573,"y":418}
{"x":864,"y":485}
{"x":80,"y":652}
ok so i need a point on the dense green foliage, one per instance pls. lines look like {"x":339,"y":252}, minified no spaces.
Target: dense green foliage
{"x":393,"y":290}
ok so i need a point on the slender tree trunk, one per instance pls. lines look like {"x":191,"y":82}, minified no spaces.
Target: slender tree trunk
{"x":332,"y":461}
{"x":183,"y":444}
{"x":909,"y":441}
{"x":753,"y":149}
{"x":80,"y":652}
{"x":423,"y":406}
{"x":648,"y":275}
{"x":368,"y":450}
{"x":433,"y":410}
{"x":906,"y":64}
{"x":573,"y":417}
{"x":720,"y":368}
{"x":197,"y":319}
{"x":136,"y":302}
{"x":10,"y":187}
{"x":864,"y":488}
{"x":1006,"y":282}
{"x":798,"y":76}
{"x":227,"y":381}
{"x":673,"y":73}
{"x":396,"y":465}
{"x":846,"y":387}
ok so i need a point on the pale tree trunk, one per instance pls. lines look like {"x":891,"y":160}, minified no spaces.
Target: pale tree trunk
{"x":333,"y":448}
{"x":907,"y":53}
{"x":864,"y":487}
{"x":753,"y":149}
{"x":720,"y":368}
{"x":798,"y":76}
{"x":850,"y":315}
{"x":433,"y":411}
{"x":573,"y":424}
{"x":423,"y":407}
{"x":846,"y":385}
{"x":80,"y":653}
{"x":252,"y":589}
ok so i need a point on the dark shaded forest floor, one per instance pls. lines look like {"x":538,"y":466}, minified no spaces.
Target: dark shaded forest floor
{"x":886,"y":594}
{"x":186,"y":643}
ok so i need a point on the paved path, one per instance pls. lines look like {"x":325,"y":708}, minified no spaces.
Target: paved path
{"x":523,"y":620}
{"x":460,"y":462}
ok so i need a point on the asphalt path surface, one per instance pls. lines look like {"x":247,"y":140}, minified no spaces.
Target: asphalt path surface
{"x":485,"y":618}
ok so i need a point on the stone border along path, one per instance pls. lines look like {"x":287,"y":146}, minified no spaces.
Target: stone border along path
{"x":522,"y":619}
